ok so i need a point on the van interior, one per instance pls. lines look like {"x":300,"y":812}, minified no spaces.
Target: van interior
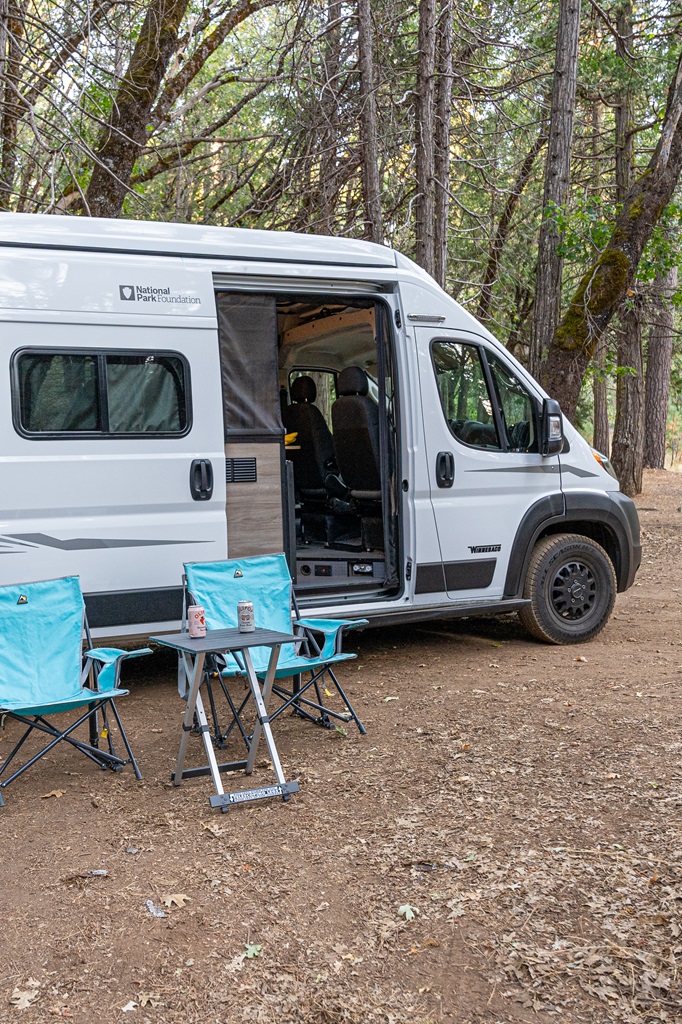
{"x":334,"y":428}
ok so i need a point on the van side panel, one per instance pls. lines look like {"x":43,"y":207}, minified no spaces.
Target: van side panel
{"x":117,"y":511}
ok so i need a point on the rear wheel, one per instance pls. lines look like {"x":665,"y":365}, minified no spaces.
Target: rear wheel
{"x":571,"y":585}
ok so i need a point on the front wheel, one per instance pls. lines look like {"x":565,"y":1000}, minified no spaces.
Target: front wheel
{"x":571,"y":585}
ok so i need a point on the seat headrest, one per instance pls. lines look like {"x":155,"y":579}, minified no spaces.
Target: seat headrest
{"x":352,"y":381}
{"x":303,"y":389}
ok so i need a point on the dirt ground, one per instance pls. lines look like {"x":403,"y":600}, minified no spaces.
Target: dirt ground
{"x":503,"y":846}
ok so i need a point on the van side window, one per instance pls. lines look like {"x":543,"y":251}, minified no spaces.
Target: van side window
{"x":58,"y":392}
{"x":156,"y":386}
{"x":464,"y":394}
{"x":516,"y":406}
{"x":113,"y":394}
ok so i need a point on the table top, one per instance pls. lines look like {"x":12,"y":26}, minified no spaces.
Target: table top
{"x":219,"y":640}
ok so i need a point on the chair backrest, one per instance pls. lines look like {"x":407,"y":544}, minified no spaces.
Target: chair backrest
{"x":264,"y":579}
{"x":41,"y":629}
{"x":315,"y":456}
{"x":355,"y":418}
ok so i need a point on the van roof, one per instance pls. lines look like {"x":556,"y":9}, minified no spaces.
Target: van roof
{"x":94,"y":234}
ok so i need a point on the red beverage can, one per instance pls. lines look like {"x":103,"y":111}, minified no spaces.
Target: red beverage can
{"x":196,"y":620}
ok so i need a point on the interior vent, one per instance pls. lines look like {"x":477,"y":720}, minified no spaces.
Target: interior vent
{"x":240,"y":471}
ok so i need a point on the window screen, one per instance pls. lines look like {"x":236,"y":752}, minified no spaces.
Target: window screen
{"x":59,"y":392}
{"x":101,"y":393}
{"x":145,"y":394}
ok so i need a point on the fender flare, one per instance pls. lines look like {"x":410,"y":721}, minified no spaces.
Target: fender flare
{"x":610,"y":509}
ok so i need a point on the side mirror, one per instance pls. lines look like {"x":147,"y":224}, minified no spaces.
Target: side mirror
{"x":551,"y":429}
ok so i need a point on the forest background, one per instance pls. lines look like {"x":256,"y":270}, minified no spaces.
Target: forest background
{"x":527,"y":154}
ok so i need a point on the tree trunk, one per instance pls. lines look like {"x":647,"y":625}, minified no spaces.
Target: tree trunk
{"x":658,"y":365}
{"x":425,"y":149}
{"x":605,"y":284}
{"x":371,"y":187}
{"x":627,"y":453}
{"x":600,"y":405}
{"x":628,"y":430}
{"x":126,"y":132}
{"x":443,"y":116}
{"x":600,"y":435}
{"x":547,"y":307}
{"x":13,"y":29}
{"x":328,"y":182}
{"x":497,"y":245}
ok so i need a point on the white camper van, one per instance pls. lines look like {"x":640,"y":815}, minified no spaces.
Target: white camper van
{"x":174,"y":393}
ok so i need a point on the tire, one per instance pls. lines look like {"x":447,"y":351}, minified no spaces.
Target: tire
{"x":571,"y":585}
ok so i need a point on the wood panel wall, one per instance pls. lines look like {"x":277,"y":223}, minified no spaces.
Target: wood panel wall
{"x":254,"y":510}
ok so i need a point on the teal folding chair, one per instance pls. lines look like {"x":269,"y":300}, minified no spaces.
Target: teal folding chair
{"x":266,"y":581}
{"x":43,"y":672}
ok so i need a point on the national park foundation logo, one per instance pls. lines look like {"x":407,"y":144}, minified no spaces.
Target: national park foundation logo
{"x":147,"y":293}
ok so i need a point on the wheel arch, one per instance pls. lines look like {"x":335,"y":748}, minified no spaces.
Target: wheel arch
{"x":601,"y":517}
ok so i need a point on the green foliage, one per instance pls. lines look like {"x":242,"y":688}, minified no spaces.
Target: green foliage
{"x":266,"y":133}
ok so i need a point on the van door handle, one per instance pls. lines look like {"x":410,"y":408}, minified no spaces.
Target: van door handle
{"x":201,"y":479}
{"x":445,"y":469}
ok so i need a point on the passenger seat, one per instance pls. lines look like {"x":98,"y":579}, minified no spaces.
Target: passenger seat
{"x":314,"y":458}
{"x":355,"y":420}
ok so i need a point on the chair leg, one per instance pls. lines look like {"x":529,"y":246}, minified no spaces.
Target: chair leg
{"x":131,"y":756}
{"x":102,"y":758}
{"x":11,"y":756}
{"x":218,"y":737}
{"x":41,"y":753}
{"x":236,"y":715}
{"x":344,"y":698}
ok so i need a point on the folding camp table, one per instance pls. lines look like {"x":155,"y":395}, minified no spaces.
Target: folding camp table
{"x":193,"y":651}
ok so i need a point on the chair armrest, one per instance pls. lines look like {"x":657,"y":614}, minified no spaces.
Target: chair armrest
{"x":330,"y":625}
{"x":332,"y":629}
{"x":110,"y":658}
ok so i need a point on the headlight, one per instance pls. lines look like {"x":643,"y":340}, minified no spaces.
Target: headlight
{"x":604,"y":462}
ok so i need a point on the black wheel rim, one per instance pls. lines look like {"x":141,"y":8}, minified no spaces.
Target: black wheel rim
{"x":574,"y":591}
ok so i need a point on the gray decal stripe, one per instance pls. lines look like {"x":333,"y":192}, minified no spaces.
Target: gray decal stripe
{"x":90,"y":543}
{"x":519,"y":469}
{"x":575,"y":470}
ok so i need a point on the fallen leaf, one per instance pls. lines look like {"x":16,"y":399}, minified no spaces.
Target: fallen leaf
{"x":149,"y":999}
{"x":251,"y":950}
{"x":53,"y":792}
{"x":129,"y":1006}
{"x":22,"y":998}
{"x":387,"y":699}
{"x":408,"y":912}
{"x":176,"y":898}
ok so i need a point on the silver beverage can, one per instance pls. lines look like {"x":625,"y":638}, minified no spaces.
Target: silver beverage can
{"x":245,"y":617}
{"x":196,"y":620}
